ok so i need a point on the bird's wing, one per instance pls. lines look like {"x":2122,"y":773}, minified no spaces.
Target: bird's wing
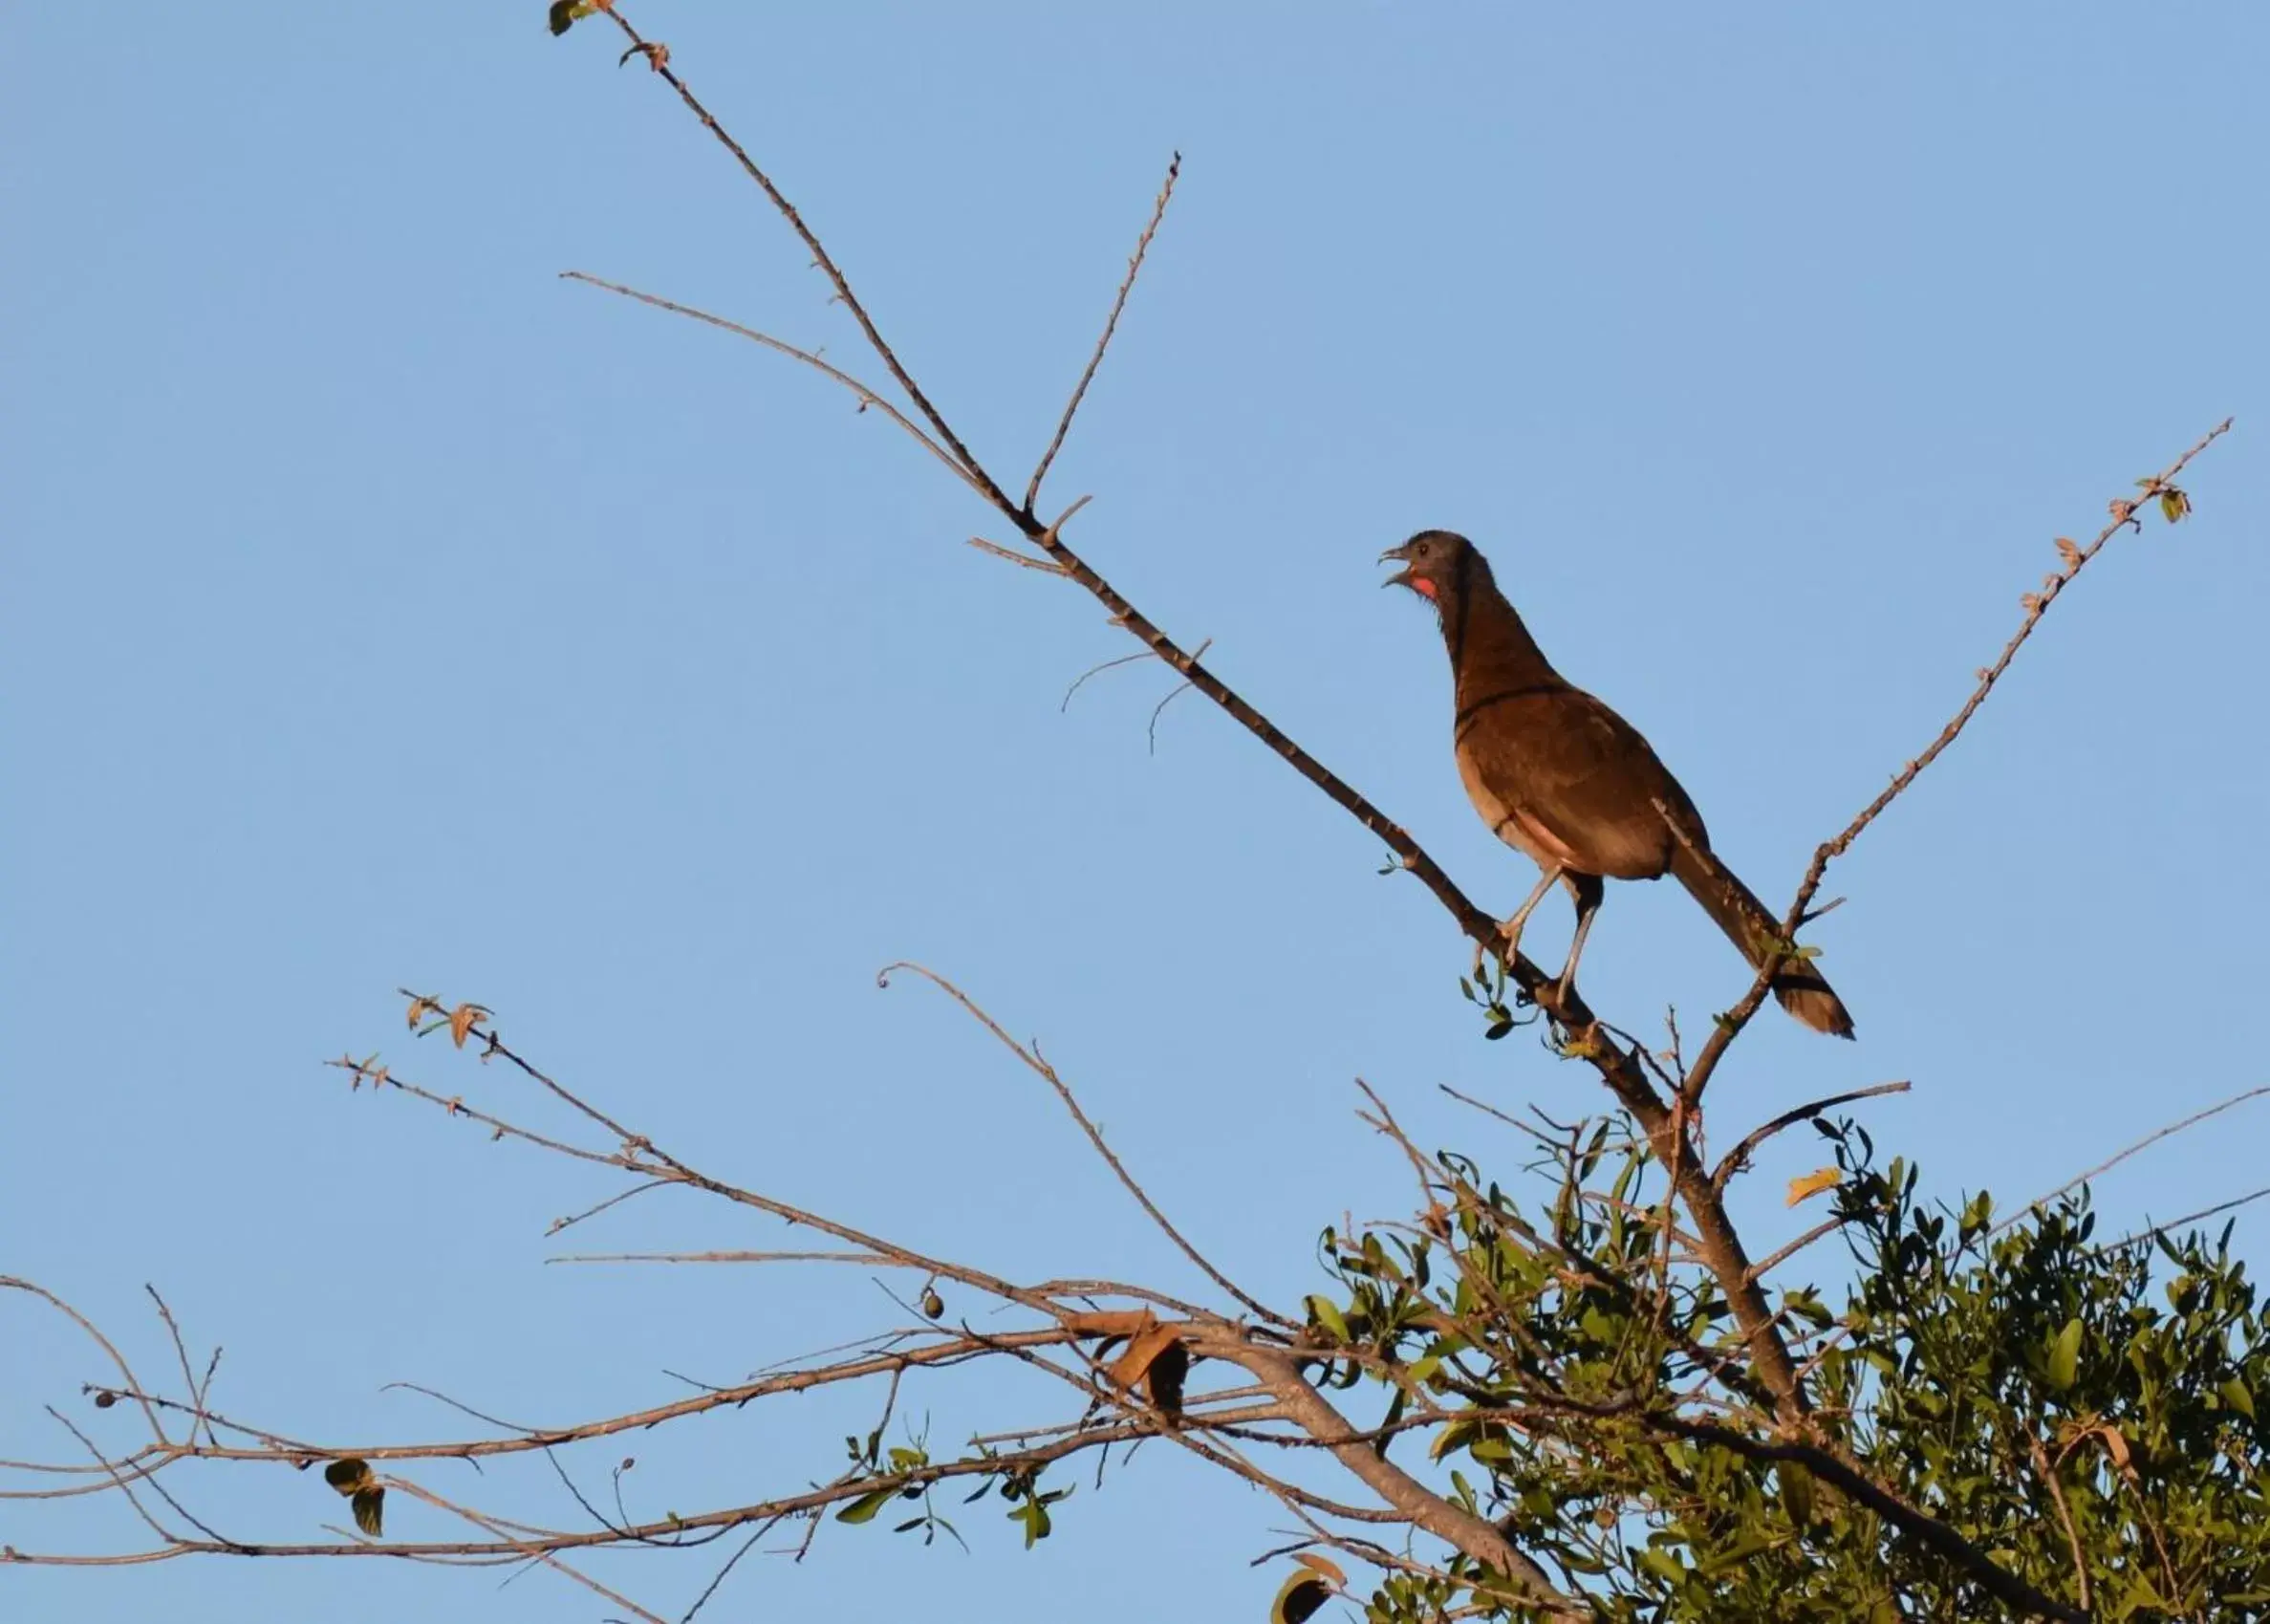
{"x":1577,"y":780}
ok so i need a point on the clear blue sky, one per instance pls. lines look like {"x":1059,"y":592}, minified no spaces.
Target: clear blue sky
{"x":379,"y":610}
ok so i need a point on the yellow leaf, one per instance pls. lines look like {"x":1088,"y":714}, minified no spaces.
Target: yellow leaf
{"x":1813,"y":1183}
{"x":1323,"y":1564}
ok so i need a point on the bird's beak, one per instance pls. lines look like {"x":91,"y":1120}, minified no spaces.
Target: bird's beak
{"x":1396,"y":555}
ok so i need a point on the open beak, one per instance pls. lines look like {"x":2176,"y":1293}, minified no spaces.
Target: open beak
{"x":1396,"y":555}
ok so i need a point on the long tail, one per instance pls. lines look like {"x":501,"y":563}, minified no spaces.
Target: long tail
{"x":1801,"y":988}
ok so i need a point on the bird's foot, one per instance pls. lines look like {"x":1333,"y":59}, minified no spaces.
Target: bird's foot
{"x":1504,"y":951}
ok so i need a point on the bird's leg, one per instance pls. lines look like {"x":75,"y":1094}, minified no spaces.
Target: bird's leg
{"x":1511,"y":930}
{"x":1586,"y":891}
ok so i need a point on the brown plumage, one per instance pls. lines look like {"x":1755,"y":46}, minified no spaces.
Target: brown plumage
{"x":1558,"y":775}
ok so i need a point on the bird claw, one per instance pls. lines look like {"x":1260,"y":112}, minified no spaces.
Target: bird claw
{"x":1509,"y":948}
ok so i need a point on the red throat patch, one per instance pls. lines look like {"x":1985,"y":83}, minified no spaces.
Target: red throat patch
{"x":1426,"y":587}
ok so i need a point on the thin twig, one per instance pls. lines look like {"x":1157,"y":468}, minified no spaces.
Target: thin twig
{"x":810,"y":359}
{"x":2037,"y":605}
{"x":2065,"y":1514}
{"x":1134,"y":267}
{"x":1739,"y":1154}
{"x":1013,"y":557}
{"x":1766,"y":1265}
{"x":1097,"y":670}
{"x":2111,"y":1163}
{"x":873,"y":1259}
{"x":2143,"y":1235}
{"x":1048,"y":1073}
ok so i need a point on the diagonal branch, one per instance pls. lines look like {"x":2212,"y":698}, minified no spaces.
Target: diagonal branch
{"x":1047,"y":1074}
{"x":1134,"y":268}
{"x":2146,"y":1142}
{"x":2075,"y":558}
{"x":1626,"y":1076}
{"x":659,"y":62}
{"x":866,"y":397}
{"x":1480,"y":1540}
{"x":2037,"y":605}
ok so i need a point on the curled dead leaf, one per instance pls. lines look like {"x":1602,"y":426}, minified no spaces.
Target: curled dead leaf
{"x":1144,"y":1349}
{"x":1113,"y":1326}
{"x":462,"y":1020}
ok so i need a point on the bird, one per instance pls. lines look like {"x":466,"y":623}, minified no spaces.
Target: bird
{"x":1561,"y":778}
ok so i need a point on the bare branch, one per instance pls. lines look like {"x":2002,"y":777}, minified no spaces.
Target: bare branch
{"x":1134,"y":267}
{"x":810,"y":359}
{"x":2037,"y":605}
{"x":1040,"y":1067}
{"x":2143,"y":1235}
{"x":1738,"y":1157}
{"x":2113,"y":1161}
{"x":787,"y":210}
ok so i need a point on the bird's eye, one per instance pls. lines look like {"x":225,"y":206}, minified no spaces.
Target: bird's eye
{"x":1420,"y":551}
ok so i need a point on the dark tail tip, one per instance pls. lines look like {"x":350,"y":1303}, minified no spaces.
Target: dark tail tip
{"x":1813,"y":1002}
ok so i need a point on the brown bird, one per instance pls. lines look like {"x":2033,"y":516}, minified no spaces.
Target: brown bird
{"x":1558,"y":775}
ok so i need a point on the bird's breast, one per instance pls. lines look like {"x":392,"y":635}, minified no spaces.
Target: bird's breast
{"x":1500,"y":805}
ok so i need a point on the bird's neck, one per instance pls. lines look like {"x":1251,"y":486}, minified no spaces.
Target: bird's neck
{"x":1491,"y":652}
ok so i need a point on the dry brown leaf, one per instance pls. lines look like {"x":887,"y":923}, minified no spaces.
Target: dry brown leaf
{"x":2068,"y":552}
{"x":1121,"y":1322}
{"x":1813,"y":1183}
{"x":1323,"y":1564}
{"x":1131,"y":1366}
{"x":420,"y":1008}
{"x":2115,"y":1447}
{"x":461,"y":1021}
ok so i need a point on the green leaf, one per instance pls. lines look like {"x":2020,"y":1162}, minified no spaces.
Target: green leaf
{"x":2173,"y":505}
{"x":369,"y":1507}
{"x":1797,"y":1492}
{"x":565,"y":14}
{"x":350,"y":1476}
{"x":864,"y":1508}
{"x":2064,"y":1356}
{"x":1326,"y":1313}
{"x":1034,"y":1515}
{"x":2235,"y":1394}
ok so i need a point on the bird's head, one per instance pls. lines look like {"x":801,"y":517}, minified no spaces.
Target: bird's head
{"x":1436,"y":565}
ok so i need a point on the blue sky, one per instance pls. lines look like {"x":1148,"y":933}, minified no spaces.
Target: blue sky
{"x":380,"y":610}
